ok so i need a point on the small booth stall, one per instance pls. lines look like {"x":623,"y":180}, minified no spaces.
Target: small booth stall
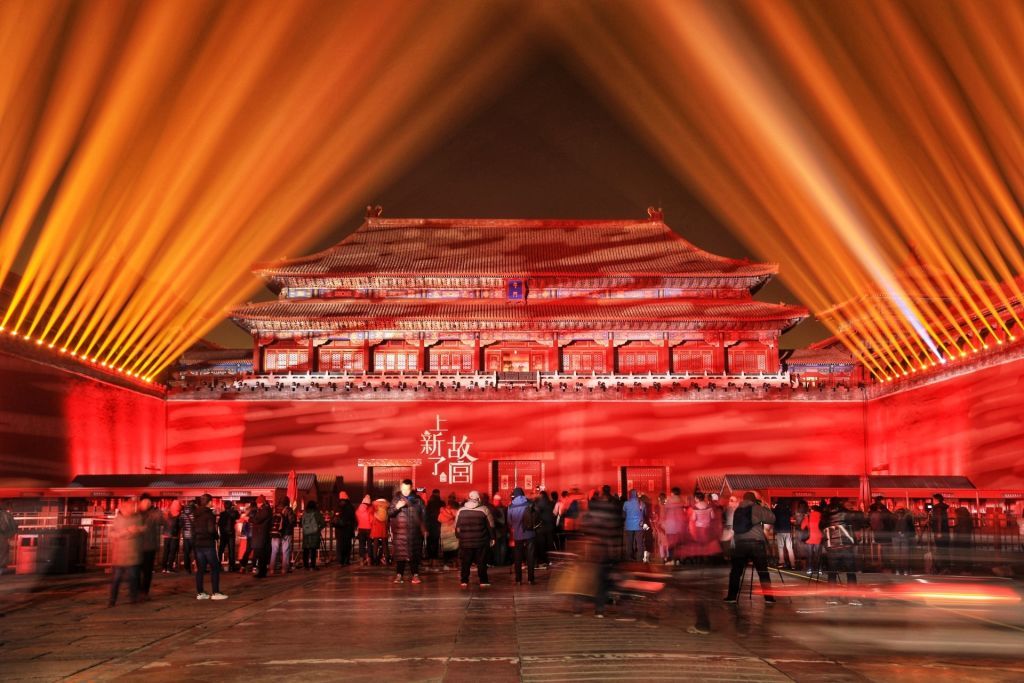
{"x":771,"y":488}
{"x":914,"y":492}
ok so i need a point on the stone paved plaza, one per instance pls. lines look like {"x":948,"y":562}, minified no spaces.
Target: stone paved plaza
{"x":354,"y":624}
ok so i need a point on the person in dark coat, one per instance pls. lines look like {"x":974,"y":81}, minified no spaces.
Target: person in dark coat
{"x":125,"y":551}
{"x":408,"y":522}
{"x":499,"y":551}
{"x":840,"y":526}
{"x":172,"y":537}
{"x":545,"y":538}
{"x":521,"y":523}
{"x":152,"y":519}
{"x":602,"y":535}
{"x":474,"y":527}
{"x":226,"y":526}
{"x":187,"y":514}
{"x":259,"y":527}
{"x":938,"y":521}
{"x":344,"y":523}
{"x":434,"y":506}
{"x":204,"y":538}
{"x":750,"y":546}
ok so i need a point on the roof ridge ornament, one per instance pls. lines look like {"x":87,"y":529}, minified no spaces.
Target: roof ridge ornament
{"x":374,"y":211}
{"x":655,"y":214}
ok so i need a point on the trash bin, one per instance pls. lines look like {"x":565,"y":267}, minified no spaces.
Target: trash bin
{"x":62,"y":550}
{"x":26,"y":552}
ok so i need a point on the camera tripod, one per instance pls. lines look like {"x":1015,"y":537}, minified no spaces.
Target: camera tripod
{"x":749,"y":574}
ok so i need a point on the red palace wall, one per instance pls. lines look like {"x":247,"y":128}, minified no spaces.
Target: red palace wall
{"x":55,"y":424}
{"x":582,"y":444}
{"x":971,"y":425}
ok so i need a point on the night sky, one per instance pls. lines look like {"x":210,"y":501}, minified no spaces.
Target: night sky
{"x":544,"y":144}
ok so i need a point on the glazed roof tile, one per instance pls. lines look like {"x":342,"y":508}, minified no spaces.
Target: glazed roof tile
{"x":513,"y":248}
{"x":407,"y":313}
{"x":737,"y":482}
{"x":937,"y":482}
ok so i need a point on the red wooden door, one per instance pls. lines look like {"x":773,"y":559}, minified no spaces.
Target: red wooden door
{"x":649,"y":480}
{"x":384,"y":481}
{"x":527,"y":474}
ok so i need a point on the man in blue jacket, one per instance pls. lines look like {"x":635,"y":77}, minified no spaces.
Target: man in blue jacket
{"x":521,"y":523}
{"x":633,"y":509}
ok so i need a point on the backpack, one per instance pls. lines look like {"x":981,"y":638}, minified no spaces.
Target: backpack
{"x":531,"y":520}
{"x":310,"y":524}
{"x":836,"y":536}
{"x":573,"y":511}
{"x":743,"y":519}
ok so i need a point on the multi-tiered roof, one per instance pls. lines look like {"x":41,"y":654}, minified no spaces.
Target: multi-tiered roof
{"x":452,"y":274}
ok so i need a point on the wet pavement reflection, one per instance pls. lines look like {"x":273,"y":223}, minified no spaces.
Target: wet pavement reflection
{"x":354,"y":623}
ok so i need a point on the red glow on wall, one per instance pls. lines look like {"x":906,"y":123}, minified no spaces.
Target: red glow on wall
{"x":580,"y":444}
{"x":970,"y":425}
{"x":113,"y":430}
{"x":55,"y":424}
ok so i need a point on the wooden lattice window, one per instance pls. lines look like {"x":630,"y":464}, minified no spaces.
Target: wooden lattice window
{"x":696,"y":359}
{"x":388,"y":358}
{"x":584,"y":359}
{"x":286,"y":359}
{"x":448,"y":357}
{"x":342,"y":360}
{"x":750,"y":358}
{"x":639,"y":359}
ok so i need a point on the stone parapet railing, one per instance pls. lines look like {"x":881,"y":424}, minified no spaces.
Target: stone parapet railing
{"x":492,"y":386}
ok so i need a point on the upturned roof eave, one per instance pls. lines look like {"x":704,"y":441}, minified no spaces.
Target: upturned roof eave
{"x":768,"y":270}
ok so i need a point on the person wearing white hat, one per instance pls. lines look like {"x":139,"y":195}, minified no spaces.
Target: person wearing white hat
{"x":474,"y":527}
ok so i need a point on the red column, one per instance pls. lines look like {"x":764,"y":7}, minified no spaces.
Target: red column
{"x":665,"y":363}
{"x":367,"y":360}
{"x":477,"y":363}
{"x":610,"y":358}
{"x":310,"y":356}
{"x":773,"y":356}
{"x":422,"y":356}
{"x":257,"y":355}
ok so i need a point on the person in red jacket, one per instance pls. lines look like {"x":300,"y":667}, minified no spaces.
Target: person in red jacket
{"x":812,"y":522}
{"x":364,"y":522}
{"x":380,"y":553}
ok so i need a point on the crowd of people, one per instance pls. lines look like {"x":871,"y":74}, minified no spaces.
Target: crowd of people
{"x":413,"y":533}
{"x":206,"y":539}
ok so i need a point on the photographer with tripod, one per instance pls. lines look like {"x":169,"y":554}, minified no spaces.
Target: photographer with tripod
{"x":750,"y":545}
{"x":840,"y":524}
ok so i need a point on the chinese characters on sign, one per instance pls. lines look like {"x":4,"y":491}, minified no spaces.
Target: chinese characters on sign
{"x":453,"y":450}
{"x":515,"y":289}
